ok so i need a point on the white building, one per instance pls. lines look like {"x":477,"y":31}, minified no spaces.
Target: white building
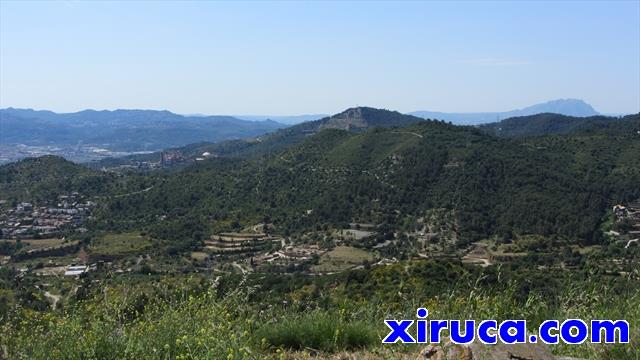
{"x":75,"y":270}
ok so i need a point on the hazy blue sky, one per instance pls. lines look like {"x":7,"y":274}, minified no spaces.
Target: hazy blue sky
{"x":291,"y":57}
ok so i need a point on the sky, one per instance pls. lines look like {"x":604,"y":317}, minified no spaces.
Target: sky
{"x":285,"y":58}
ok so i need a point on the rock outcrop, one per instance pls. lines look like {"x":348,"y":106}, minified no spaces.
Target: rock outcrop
{"x":479,"y":351}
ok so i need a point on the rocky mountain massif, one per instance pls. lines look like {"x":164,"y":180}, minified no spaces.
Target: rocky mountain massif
{"x":568,"y":107}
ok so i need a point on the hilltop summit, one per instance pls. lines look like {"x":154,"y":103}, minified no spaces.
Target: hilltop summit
{"x":569,"y":107}
{"x":366,"y":117}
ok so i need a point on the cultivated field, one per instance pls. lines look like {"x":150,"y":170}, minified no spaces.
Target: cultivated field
{"x":342,"y":258}
{"x":119,"y":244}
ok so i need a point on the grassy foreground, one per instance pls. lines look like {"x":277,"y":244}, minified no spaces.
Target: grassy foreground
{"x":187,"y":321}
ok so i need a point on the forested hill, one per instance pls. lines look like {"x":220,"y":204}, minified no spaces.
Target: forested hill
{"x":482,"y":185}
{"x":353,"y":119}
{"x":44,"y":178}
{"x":548,"y":123}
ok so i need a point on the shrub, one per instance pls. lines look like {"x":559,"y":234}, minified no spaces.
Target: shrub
{"x":324,"y":331}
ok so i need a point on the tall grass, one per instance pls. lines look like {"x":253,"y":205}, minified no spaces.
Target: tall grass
{"x":205,"y":325}
{"x":184,"y":326}
{"x":319,"y":331}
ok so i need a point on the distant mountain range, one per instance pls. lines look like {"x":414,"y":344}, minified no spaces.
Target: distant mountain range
{"x":354,"y":120}
{"x":569,"y":107}
{"x":91,"y":135}
{"x":283,"y":119}
{"x":123,"y":130}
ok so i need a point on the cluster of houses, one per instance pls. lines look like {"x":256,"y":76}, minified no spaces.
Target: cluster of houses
{"x":259,"y":249}
{"x":288,"y":255}
{"x":27,"y":220}
{"x":171,"y":157}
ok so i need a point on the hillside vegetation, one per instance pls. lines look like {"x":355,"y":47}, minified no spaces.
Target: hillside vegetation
{"x":46,"y":177}
{"x":549,"y":124}
{"x":558,"y":185}
{"x":150,"y":317}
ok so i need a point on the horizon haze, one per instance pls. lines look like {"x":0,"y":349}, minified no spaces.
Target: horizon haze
{"x":318,"y":58}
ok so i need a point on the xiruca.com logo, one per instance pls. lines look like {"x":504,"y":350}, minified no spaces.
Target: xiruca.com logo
{"x":570,"y":331}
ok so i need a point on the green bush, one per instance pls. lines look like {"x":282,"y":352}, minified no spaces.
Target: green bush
{"x":324,"y":331}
